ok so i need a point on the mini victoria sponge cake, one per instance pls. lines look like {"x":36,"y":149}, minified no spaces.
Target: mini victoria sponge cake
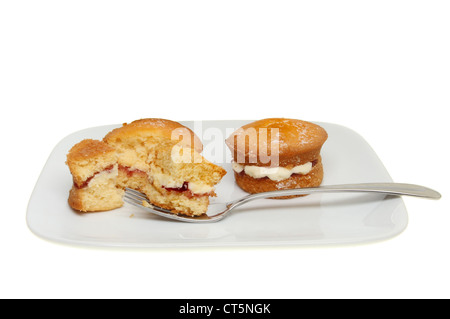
{"x":277,"y":153}
{"x":158,"y":157}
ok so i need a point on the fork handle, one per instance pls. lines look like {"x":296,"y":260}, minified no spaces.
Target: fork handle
{"x":383,"y":188}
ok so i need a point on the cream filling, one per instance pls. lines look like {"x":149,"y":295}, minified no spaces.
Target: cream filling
{"x":104,"y":178}
{"x":274,"y":173}
{"x":168,"y":181}
{"x":200,"y":188}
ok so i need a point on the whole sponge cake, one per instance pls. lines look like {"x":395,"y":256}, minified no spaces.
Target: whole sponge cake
{"x":94,"y":168}
{"x":159,"y":157}
{"x":277,"y":153}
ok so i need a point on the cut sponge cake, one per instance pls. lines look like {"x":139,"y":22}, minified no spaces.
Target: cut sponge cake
{"x":158,"y":157}
{"x":182,"y":180}
{"x":94,"y":169}
{"x":161,"y":159}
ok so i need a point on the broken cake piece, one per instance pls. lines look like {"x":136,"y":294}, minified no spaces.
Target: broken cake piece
{"x":158,"y":157}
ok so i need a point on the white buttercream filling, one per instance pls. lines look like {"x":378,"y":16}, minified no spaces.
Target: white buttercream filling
{"x":170,"y":182}
{"x":104,"y":177}
{"x":200,"y":188}
{"x":274,"y":173}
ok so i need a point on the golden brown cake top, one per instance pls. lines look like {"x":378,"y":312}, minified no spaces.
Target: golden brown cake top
{"x":87,"y":149}
{"x":89,"y":157}
{"x":286,"y":138}
{"x":156,"y":128}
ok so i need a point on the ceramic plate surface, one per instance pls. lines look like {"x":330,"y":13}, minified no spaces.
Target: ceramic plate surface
{"x":319,"y":219}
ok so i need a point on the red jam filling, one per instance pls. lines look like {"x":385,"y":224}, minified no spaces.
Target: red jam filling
{"x":183,"y":188}
{"x":130,"y":172}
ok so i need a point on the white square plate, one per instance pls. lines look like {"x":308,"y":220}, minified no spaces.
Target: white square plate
{"x":319,"y":219}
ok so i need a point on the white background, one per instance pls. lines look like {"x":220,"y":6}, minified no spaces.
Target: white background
{"x":381,"y":68}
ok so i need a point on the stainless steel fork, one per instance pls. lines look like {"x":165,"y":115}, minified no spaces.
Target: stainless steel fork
{"x":219,"y":211}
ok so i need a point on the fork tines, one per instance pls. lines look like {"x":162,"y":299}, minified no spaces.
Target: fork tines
{"x":138,"y":199}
